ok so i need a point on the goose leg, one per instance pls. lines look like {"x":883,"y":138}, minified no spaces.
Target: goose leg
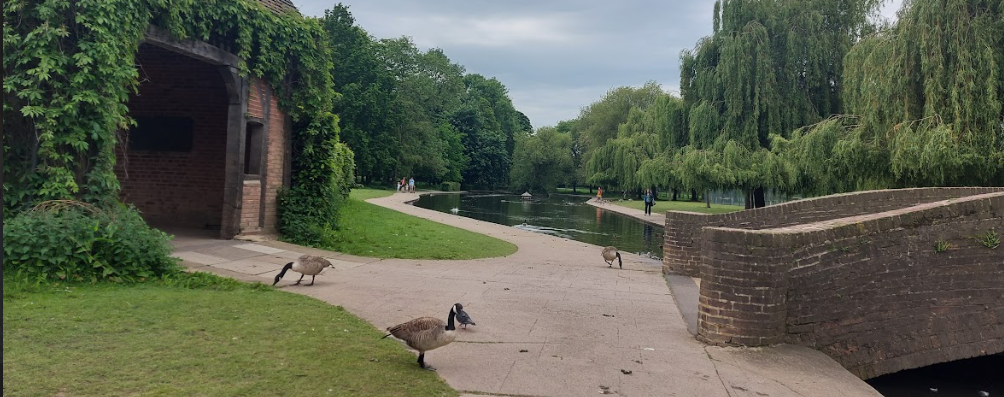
{"x":421,"y":361}
{"x":311,"y":280}
{"x":298,"y":281}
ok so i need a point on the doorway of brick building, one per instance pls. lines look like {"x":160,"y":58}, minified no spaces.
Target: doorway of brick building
{"x":172,"y":164}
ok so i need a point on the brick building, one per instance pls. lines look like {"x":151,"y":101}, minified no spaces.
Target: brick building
{"x":211,"y":148}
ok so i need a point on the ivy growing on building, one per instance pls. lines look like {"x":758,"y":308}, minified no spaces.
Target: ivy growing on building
{"x":69,"y":68}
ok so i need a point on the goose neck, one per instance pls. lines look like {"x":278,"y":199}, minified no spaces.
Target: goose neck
{"x":450,"y":326}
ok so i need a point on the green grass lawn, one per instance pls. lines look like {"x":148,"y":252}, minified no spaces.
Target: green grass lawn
{"x":373,"y":231}
{"x":661,"y":206}
{"x":581,"y":191}
{"x":225,"y":339}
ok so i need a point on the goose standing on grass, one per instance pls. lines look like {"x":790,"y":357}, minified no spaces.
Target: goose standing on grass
{"x":305,"y":265}
{"x":427,"y":333}
{"x":609,"y":254}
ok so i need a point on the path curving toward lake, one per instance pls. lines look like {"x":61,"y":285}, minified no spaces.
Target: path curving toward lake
{"x":552,"y":319}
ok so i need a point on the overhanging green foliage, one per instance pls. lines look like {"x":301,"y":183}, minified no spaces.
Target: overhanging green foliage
{"x":69,"y":68}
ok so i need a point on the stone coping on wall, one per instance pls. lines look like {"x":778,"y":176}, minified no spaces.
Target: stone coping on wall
{"x":868,"y":222}
{"x":681,"y":252}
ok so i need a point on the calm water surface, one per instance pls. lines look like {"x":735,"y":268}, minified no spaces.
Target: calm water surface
{"x":963,"y":378}
{"x":559,"y":215}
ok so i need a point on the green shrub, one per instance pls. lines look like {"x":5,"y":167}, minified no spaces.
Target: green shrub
{"x":450,"y":186}
{"x":305,"y":216}
{"x":76,"y":242}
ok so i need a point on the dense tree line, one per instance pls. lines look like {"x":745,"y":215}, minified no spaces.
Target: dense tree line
{"x":407,"y":112}
{"x":809,"y":97}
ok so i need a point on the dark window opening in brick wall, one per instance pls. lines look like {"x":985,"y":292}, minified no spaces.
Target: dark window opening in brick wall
{"x":254,"y":140}
{"x":162,"y":134}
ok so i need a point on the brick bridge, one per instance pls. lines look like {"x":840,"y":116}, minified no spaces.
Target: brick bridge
{"x":881,"y":281}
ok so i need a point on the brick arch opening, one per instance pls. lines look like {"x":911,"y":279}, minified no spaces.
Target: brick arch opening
{"x":172,"y":165}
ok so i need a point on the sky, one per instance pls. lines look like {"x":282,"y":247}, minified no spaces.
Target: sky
{"x":555,"y":56}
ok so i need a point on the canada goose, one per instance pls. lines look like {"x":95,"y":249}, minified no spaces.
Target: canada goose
{"x":464,"y":318}
{"x":609,"y":253}
{"x":306,"y":264}
{"x":427,"y":333}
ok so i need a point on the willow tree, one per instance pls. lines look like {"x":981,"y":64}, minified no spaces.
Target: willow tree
{"x":770,"y":66}
{"x":669,"y":118}
{"x":598,"y":123}
{"x":541,"y":160}
{"x":925,"y":105}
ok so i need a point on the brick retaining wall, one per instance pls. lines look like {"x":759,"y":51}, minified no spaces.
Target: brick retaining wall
{"x":871,"y":291}
{"x":682,"y":247}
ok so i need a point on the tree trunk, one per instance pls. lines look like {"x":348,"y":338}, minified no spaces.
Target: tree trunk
{"x":748,"y":196}
{"x":693,"y":195}
{"x":675,"y":193}
{"x":707,"y":198}
{"x":758,"y":198}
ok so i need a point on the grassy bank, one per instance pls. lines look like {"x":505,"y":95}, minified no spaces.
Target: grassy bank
{"x":373,"y":231}
{"x":220,"y":338}
{"x":691,"y":206}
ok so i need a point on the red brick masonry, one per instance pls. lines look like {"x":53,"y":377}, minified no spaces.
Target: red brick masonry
{"x":871,"y":290}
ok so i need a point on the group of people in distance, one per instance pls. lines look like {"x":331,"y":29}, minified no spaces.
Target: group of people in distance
{"x":406,"y":186}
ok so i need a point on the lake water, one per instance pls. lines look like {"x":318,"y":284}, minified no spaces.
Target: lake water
{"x":558,"y":215}
{"x":963,"y":378}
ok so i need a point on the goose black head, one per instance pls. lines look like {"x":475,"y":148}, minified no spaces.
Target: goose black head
{"x":458,"y":307}
{"x":282,"y":273}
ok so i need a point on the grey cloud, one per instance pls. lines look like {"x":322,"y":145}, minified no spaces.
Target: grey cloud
{"x":554,"y":56}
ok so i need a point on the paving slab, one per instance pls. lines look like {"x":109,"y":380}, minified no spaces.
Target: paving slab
{"x":200,"y":258}
{"x":552,"y":318}
{"x":250,"y":266}
{"x":259,"y":248}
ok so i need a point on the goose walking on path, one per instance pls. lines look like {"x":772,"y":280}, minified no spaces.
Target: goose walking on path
{"x":427,"y":333}
{"x":611,"y":253}
{"x":305,"y":265}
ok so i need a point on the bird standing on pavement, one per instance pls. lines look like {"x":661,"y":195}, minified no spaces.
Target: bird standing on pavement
{"x":305,"y":265}
{"x":427,"y":333}
{"x":611,"y":253}
{"x":464,"y":318}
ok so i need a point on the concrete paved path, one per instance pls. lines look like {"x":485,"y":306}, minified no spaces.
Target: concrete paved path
{"x":657,"y":218}
{"x":553,"y":319}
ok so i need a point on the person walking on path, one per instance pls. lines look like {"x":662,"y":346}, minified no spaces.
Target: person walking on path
{"x":599,"y":194}
{"x":649,"y":201}
{"x":411,"y":184}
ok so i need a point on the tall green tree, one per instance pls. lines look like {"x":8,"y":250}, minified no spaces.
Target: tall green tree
{"x":924,"y":103}
{"x":770,"y":66}
{"x":366,"y":104}
{"x":541,"y":160}
{"x":599,"y":122}
{"x":575,"y":176}
{"x":428,"y":90}
{"x":615,"y":165}
{"x":670,"y":123}
{"x":484,"y":144}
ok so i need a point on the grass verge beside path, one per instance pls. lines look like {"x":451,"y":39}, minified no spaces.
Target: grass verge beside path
{"x":692,"y":206}
{"x":373,"y":231}
{"x":222,"y":339}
